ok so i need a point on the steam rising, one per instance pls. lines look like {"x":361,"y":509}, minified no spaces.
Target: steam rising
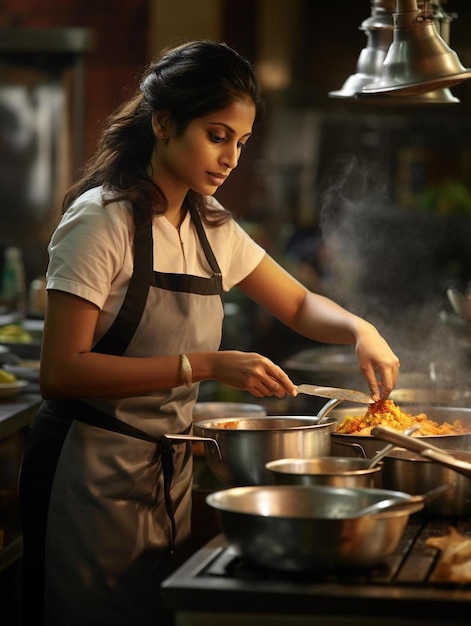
{"x":384,"y":264}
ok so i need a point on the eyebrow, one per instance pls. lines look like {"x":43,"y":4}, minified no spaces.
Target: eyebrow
{"x":229,"y":128}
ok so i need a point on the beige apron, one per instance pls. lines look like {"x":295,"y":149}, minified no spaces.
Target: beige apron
{"x":112,"y":509}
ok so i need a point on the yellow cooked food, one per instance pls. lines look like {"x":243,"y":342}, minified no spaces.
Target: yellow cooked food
{"x":6,"y":377}
{"x":386,"y":413}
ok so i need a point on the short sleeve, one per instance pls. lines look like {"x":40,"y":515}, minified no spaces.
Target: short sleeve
{"x":90,"y":248}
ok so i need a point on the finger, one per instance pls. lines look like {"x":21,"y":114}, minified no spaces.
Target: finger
{"x":386,"y":389}
{"x":285,"y":384}
{"x":373,"y":383}
{"x":389,"y":378}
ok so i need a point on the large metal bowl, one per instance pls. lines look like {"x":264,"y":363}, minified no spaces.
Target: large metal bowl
{"x":406,"y":471}
{"x":299,"y":527}
{"x":348,"y":445}
{"x":237,"y":448}
{"x":331,"y":471}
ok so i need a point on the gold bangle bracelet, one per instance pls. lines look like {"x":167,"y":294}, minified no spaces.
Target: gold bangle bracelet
{"x":187,"y":372}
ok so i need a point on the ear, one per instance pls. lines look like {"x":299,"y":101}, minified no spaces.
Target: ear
{"x":161,"y":124}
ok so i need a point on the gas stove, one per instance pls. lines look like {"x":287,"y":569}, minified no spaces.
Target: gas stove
{"x":215,"y":586}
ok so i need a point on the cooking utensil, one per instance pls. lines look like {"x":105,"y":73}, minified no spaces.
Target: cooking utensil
{"x":333,"y":471}
{"x":8,"y":390}
{"x":425,"y":449}
{"x":403,"y":470}
{"x":325,"y":470}
{"x":208,"y":410}
{"x":371,"y":444}
{"x":237,"y":448}
{"x":348,"y":395}
{"x":414,"y":504}
{"x":382,"y":453}
{"x":300,"y":527}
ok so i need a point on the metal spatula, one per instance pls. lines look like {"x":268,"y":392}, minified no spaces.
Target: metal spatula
{"x":336,"y":392}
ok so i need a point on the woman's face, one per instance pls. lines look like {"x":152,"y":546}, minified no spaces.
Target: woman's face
{"x":204,"y":155}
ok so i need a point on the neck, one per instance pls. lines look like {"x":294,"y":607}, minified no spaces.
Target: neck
{"x":176,"y":217}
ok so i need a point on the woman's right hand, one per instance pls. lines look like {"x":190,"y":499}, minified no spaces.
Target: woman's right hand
{"x":252,"y":372}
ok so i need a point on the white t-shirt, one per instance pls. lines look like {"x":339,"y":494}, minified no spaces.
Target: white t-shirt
{"x":91,"y":252}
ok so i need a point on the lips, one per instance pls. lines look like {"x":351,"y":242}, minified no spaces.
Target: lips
{"x":217,"y":179}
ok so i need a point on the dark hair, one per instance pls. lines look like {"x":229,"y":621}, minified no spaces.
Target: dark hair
{"x":188,"y":81}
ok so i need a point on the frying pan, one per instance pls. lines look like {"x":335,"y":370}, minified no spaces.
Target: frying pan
{"x":309,"y":527}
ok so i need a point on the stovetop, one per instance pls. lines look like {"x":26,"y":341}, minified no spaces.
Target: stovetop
{"x":217,"y":579}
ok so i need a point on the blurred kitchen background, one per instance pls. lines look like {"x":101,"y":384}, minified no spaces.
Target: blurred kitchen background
{"x":366,"y":201}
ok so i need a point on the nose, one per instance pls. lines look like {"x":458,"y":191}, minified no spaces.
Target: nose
{"x":230,"y":156}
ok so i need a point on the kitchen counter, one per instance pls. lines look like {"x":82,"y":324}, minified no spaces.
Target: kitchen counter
{"x":16,"y":414}
{"x":215,"y":586}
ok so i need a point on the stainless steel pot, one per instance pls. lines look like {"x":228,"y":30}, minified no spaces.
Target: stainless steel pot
{"x":237,"y":448}
{"x":412,"y":473}
{"x":332,"y":471}
{"x":347,"y":445}
{"x":326,"y":470}
{"x":300,"y":527}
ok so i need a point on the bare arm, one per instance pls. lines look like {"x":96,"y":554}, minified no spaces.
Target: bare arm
{"x":70,"y":369}
{"x":321,"y":319}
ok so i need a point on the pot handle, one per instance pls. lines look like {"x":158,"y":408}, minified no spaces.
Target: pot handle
{"x":327,"y":408}
{"x":178,"y":438}
{"x":424,"y":449}
{"x":356,"y":446}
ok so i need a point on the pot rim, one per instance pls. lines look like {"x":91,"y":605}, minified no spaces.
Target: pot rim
{"x":262,"y":423}
{"x":227,"y":501}
{"x":278,"y":466}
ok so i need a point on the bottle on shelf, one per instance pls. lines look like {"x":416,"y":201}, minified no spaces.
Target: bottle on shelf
{"x":13,"y":281}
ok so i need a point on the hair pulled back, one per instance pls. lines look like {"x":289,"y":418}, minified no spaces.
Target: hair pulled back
{"x":188,"y":81}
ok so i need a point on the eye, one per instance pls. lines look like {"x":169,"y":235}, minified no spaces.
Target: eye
{"x":217,"y":138}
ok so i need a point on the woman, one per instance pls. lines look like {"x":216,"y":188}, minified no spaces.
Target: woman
{"x":138,"y":266}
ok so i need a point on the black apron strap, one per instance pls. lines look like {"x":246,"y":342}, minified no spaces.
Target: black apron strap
{"x":208,"y":251}
{"x":116,"y":340}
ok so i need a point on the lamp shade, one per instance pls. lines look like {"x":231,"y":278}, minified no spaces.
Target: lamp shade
{"x":379,"y":33}
{"x":418,"y":60}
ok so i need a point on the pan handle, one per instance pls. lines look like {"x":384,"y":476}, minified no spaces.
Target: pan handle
{"x":424,"y":449}
{"x":178,"y":438}
{"x":392,"y":504}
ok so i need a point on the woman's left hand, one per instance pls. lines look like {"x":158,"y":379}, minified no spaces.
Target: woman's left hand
{"x":378,"y":363}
